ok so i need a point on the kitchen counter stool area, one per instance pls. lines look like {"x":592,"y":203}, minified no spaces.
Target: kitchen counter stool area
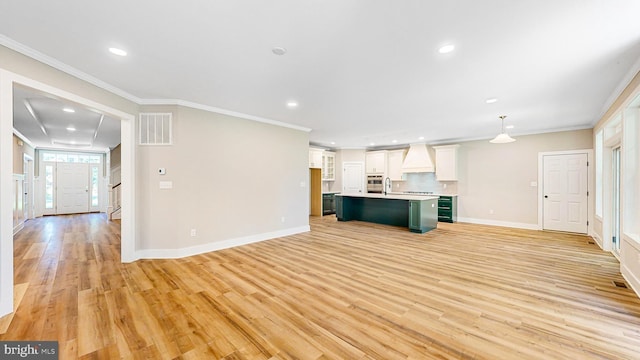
{"x":418,"y":213}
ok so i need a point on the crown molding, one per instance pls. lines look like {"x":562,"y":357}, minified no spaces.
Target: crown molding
{"x":56,"y":64}
{"x":218,"y":110}
{"x":59,"y":65}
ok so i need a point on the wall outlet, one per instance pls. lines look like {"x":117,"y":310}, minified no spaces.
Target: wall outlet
{"x":490,"y":211}
{"x":444,"y":186}
{"x":282,"y":219}
{"x":193,"y":232}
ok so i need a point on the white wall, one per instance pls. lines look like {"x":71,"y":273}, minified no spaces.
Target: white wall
{"x":497,"y":177}
{"x":623,"y":116}
{"x":234,"y":181}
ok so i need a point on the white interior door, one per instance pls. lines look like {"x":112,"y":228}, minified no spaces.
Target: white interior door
{"x":72,"y":182}
{"x":353,"y":178}
{"x":565,"y":192}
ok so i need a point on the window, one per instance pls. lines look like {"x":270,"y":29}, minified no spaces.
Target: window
{"x":155,"y":129}
{"x":48,"y":186}
{"x":72,"y":157}
{"x":94,"y":186}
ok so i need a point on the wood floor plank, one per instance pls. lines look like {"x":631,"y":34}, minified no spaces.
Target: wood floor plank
{"x":344,"y":290}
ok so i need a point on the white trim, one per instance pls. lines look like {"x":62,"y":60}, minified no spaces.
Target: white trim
{"x":218,"y":110}
{"x":6,"y":191}
{"x":23,"y":138}
{"x":617,"y":92}
{"x":218,"y":245}
{"x":499,"y":223}
{"x":597,"y":239}
{"x":45,"y":59}
{"x":590,"y":185}
{"x":631,"y":278}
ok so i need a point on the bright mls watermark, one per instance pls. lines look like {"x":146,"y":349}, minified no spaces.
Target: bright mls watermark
{"x":45,"y":350}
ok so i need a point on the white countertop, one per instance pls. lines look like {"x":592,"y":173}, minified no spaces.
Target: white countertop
{"x":434,"y":194}
{"x":393,"y":196}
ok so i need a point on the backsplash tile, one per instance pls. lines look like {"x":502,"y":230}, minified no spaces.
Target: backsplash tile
{"x":425,"y":182}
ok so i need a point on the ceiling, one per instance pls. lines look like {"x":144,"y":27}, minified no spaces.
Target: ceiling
{"x":361,"y":72}
{"x":53,"y":123}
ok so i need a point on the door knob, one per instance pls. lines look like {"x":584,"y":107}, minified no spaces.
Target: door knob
{"x":546,"y":197}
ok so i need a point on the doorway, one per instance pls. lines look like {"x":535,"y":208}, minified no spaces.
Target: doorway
{"x":7,"y":82}
{"x":565,"y":192}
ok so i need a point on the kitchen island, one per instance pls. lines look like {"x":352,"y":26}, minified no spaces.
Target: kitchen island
{"x":418,"y":213}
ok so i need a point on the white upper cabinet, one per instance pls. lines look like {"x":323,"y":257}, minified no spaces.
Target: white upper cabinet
{"x":447,"y":162}
{"x":328,"y":166}
{"x":376,"y":162}
{"x":394,"y":164}
{"x":315,"y":158}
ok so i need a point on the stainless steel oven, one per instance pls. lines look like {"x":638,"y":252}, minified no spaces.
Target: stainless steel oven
{"x":374,"y":184}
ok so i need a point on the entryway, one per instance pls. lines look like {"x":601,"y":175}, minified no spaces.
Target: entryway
{"x":565,"y":190}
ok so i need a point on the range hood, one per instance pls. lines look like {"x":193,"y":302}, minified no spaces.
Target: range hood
{"x":417,"y":160}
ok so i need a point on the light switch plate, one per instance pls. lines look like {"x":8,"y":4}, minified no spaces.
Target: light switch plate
{"x":166,"y":185}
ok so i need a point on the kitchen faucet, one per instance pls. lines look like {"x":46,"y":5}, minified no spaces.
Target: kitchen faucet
{"x":387,"y":186}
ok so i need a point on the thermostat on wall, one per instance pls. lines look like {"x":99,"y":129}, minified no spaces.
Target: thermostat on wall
{"x":162,"y":171}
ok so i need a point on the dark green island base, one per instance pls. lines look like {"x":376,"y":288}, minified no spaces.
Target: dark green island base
{"x":418,"y":213}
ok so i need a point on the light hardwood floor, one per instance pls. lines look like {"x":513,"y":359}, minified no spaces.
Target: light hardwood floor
{"x":342,"y":291}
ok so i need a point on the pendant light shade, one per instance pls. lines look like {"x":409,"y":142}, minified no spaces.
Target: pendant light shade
{"x":503,"y":137}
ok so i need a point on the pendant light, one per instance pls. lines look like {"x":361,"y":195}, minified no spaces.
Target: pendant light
{"x":503,"y":137}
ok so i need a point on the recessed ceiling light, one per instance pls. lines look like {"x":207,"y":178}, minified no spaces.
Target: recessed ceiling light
{"x":279,"y":50}
{"x":333,"y":143}
{"x":69,"y":110}
{"x":509,"y":127}
{"x":421,"y":138}
{"x":117,"y":51}
{"x":394,"y":141}
{"x":292,"y":104}
{"x":491,"y":100}
{"x":446,"y":49}
{"x":371,"y":143}
{"x":71,"y":128}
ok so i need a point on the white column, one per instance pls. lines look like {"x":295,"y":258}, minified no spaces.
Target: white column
{"x":6,"y":192}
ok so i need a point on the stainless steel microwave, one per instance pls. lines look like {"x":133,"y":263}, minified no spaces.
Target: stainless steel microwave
{"x":374,"y":184}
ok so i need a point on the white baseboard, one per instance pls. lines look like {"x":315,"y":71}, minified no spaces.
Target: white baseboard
{"x":18,"y":227}
{"x":499,"y":223}
{"x":598,"y":241}
{"x":218,"y":245}
{"x":633,"y":281}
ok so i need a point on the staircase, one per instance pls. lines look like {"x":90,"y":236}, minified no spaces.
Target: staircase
{"x":115,"y":208}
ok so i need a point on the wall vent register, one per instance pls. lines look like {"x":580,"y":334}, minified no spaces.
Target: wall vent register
{"x":155,"y":129}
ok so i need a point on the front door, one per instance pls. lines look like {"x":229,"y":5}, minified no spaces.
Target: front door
{"x":353,"y":178}
{"x":565,"y":192}
{"x":72,"y":180}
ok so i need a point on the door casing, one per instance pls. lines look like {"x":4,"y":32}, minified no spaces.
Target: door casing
{"x":590,"y":185}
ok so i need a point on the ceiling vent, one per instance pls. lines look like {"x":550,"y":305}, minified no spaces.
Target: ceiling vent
{"x":417,"y":160}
